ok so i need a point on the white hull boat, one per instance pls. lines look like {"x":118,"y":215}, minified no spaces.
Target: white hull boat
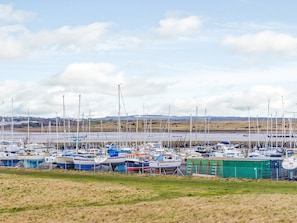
{"x":110,"y":160}
{"x":290,"y":163}
{"x":166,"y":161}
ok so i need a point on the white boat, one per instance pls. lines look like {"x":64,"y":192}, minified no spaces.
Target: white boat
{"x":84,"y":162}
{"x":290,"y":163}
{"x":256,"y":155}
{"x":65,"y":160}
{"x":9,"y":154}
{"x":227,"y":150}
{"x":105,"y":159}
{"x":31,"y":158}
{"x":112,"y":155}
{"x":8,"y":159}
{"x":166,"y":161}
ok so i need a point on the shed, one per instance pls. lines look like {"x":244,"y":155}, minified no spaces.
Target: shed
{"x":230,"y":167}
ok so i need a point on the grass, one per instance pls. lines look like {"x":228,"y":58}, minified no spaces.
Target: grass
{"x":162,"y":125}
{"x":68,"y":196}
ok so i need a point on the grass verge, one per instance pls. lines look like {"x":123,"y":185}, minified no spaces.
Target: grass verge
{"x":69,"y":196}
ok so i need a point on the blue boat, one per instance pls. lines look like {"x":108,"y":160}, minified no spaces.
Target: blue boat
{"x":9,"y":159}
{"x":85,"y":162}
{"x":137,"y":162}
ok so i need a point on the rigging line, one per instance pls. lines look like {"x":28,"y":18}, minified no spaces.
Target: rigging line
{"x":123,"y":103}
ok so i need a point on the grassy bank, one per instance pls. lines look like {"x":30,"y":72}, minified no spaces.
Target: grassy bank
{"x":161,"y":126}
{"x":66,"y":196}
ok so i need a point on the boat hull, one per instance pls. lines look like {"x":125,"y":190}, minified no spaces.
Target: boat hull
{"x":134,"y":166}
{"x":65,"y":162}
{"x":84,"y":163}
{"x":11,"y":162}
{"x":110,"y":160}
{"x":165,"y":164}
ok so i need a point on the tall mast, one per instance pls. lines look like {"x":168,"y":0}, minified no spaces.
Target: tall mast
{"x":119,"y":113}
{"x":57,"y":132}
{"x":28,"y":132}
{"x":168,"y":127}
{"x":77,"y":130}
{"x":283,"y":123}
{"x":191,"y":131}
{"x":12,"y":136}
{"x":267,"y":130}
{"x":64,"y":123}
{"x":205,"y":126}
{"x":196,"y":123}
{"x":89,"y":129}
{"x":249,"y":120}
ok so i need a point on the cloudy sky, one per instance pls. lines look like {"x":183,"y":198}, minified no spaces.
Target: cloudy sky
{"x":228,"y":58}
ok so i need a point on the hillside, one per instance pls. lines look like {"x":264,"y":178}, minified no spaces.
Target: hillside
{"x":149,"y":123}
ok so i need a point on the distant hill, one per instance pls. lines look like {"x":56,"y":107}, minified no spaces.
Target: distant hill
{"x":180,"y":118}
{"x":36,"y":121}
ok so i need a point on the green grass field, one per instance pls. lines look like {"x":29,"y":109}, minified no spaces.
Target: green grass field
{"x":71,"y":196}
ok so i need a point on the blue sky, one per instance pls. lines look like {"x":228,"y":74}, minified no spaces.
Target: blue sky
{"x":228,"y":58}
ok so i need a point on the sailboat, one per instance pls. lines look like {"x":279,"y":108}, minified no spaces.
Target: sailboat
{"x":32,"y":156}
{"x":113,"y":155}
{"x":137,"y":162}
{"x":66,"y":160}
{"x":9,"y":157}
{"x":85,"y":159}
{"x":166,"y":161}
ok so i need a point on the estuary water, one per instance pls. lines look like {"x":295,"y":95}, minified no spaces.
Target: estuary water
{"x":123,"y":137}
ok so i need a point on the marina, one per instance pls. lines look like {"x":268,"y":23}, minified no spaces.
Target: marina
{"x":177,"y":153}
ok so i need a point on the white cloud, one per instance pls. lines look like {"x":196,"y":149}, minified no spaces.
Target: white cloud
{"x":266,"y":42}
{"x":173,"y":27}
{"x":11,"y":48}
{"x":17,"y":41}
{"x":9,"y":15}
{"x":71,"y":38}
{"x":9,"y":88}
{"x":10,"y":45}
{"x":96,"y":82}
{"x":102,"y":78}
{"x":86,"y":77}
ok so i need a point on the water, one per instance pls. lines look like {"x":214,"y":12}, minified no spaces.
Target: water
{"x":125,"y":137}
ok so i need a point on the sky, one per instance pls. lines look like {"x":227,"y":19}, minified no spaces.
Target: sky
{"x":180,"y":58}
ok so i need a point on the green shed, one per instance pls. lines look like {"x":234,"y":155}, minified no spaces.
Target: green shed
{"x":230,"y":167}
{"x":247,"y":168}
{"x":206,"y":166}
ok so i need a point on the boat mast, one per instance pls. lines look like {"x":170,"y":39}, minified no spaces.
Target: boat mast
{"x":249,"y":120}
{"x":57,"y":132}
{"x":12,"y":136}
{"x":119,"y":114}
{"x":196,"y":123}
{"x":64,"y":122}
{"x":28,"y":132}
{"x":283,"y":123}
{"x":191,"y":131}
{"x":168,"y":128}
{"x":89,"y":130}
{"x":77,"y":130}
{"x":268,"y":141}
{"x":205,"y":127}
